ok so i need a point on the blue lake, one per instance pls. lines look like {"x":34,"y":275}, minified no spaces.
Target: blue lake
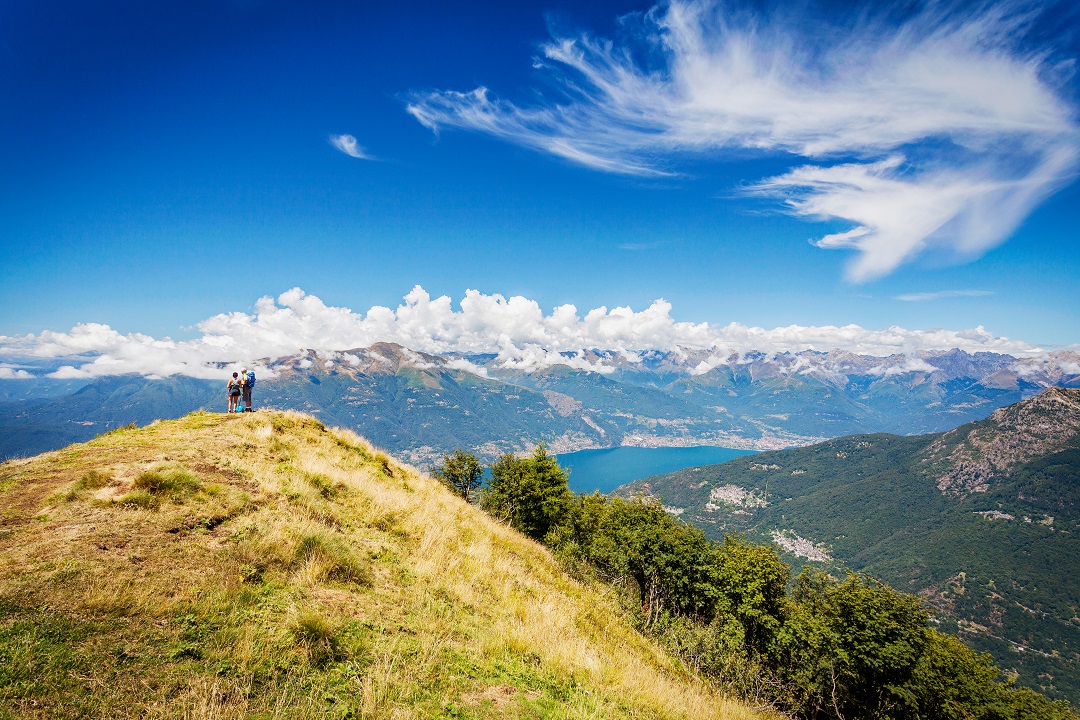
{"x":607,"y":469}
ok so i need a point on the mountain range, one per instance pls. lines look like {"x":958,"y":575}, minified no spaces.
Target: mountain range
{"x":982,"y":521}
{"x":420,"y":405}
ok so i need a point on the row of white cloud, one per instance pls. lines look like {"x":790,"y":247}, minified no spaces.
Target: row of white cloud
{"x":937,"y":133}
{"x":515,"y":328}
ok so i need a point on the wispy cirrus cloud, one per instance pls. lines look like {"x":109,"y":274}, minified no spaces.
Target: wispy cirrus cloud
{"x":515,"y":329}
{"x":936,"y":131}
{"x":941,"y":295}
{"x":348,"y":145}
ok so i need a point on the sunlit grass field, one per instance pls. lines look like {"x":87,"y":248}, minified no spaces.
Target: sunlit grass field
{"x":263,"y":566}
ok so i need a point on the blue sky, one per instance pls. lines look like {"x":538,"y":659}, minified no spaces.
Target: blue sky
{"x":164,"y":163}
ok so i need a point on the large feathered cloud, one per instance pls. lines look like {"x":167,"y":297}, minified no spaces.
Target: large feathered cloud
{"x":939,"y":131}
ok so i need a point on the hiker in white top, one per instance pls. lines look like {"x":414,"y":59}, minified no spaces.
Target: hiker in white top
{"x":233,"y":387}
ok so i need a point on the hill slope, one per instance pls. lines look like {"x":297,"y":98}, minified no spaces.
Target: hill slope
{"x":264,"y":566}
{"x":982,"y":521}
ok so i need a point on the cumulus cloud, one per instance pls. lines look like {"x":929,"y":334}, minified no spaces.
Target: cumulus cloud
{"x":515,"y":329}
{"x":941,"y":294}
{"x":937,"y":132}
{"x":348,"y":145}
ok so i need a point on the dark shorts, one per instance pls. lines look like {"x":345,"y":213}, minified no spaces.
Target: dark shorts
{"x":247,"y":395}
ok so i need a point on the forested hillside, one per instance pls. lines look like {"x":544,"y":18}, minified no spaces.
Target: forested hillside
{"x":982,"y":522}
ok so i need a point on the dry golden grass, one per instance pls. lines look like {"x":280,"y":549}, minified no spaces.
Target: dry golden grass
{"x":263,"y":566}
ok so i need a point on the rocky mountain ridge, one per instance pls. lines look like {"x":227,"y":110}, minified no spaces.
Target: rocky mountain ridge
{"x":421,"y":405}
{"x":971,"y":457}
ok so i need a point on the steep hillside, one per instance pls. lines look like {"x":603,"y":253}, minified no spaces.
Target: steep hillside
{"x":982,"y":521}
{"x":264,"y":566}
{"x":970,"y":458}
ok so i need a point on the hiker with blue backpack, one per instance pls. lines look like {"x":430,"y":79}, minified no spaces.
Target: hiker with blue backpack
{"x":247,"y":382}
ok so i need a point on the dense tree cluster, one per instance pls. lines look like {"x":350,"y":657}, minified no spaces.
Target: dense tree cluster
{"x":814,"y":646}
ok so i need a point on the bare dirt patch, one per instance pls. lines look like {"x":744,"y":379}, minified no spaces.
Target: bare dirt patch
{"x":500,"y":696}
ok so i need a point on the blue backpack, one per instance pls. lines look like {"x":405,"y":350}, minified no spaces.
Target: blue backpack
{"x":251,"y":378}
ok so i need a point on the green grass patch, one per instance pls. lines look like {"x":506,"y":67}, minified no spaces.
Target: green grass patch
{"x":141,"y":499}
{"x":324,"y":485}
{"x":56,"y":665}
{"x":340,"y":561}
{"x":174,"y":480}
{"x":93,"y":480}
{"x":118,"y":430}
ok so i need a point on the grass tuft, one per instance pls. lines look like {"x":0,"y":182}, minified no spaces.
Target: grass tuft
{"x":384,"y":465}
{"x":93,"y":480}
{"x":172,"y":481}
{"x":327,"y":557}
{"x":140,"y":498}
{"x":324,"y":485}
{"x":119,"y":430}
{"x":314,"y":632}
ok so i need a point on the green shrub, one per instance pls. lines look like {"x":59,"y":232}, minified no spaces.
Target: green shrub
{"x":461,"y":472}
{"x":531,"y":494}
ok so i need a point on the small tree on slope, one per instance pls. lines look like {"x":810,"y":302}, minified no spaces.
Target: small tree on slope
{"x":461,"y":472}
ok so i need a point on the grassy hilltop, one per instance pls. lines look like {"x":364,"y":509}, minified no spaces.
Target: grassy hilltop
{"x":264,"y":566}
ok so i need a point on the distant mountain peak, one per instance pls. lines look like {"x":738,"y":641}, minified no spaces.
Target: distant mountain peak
{"x":967,"y":459}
